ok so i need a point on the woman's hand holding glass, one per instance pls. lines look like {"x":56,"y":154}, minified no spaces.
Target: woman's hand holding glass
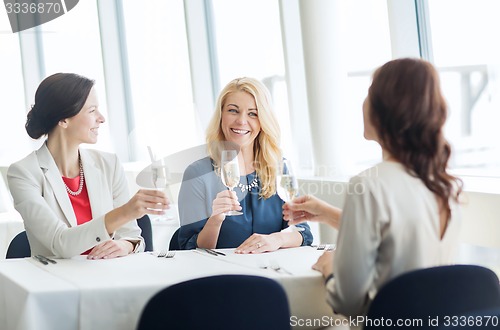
{"x":161,"y":181}
{"x":310,"y":208}
{"x":230,"y":174}
{"x":147,"y":201}
{"x":224,"y":202}
{"x":288,"y":188}
{"x":143,"y":202}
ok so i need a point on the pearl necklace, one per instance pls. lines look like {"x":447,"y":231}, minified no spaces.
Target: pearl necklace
{"x":82,"y":179}
{"x":249,"y":187}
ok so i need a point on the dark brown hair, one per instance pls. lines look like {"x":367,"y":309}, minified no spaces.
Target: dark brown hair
{"x":408,"y":112}
{"x":59,"y":96}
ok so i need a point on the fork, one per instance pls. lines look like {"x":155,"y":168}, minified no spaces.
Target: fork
{"x":326,"y":247}
{"x":321,"y":247}
{"x":277,"y":268}
{"x":166,"y":254}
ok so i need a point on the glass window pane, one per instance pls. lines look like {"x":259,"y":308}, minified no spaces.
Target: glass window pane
{"x":468,"y":58}
{"x":160,"y":79}
{"x":72,"y":43}
{"x":12,"y":101}
{"x":368,"y":48}
{"x":248,"y":37}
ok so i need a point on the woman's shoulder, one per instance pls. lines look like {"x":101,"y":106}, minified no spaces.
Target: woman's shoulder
{"x":198,"y":168}
{"x":29,"y":161}
{"x":383,"y":175}
{"x":383,"y":170}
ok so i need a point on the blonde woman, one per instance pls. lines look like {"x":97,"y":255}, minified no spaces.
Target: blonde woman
{"x":243,"y":117}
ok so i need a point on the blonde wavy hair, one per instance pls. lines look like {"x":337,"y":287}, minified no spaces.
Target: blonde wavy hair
{"x":267,"y":151}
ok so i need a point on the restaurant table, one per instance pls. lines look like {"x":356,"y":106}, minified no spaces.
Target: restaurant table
{"x":110,"y":294}
{"x":11,"y":224}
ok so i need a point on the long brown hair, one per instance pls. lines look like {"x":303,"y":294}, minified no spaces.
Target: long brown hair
{"x":408,"y":112}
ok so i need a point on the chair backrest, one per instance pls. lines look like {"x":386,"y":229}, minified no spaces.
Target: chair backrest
{"x":19,"y":247}
{"x":174,"y":241}
{"x":220,"y":302}
{"x":434,"y":293}
{"x":481,"y":319}
{"x":147,"y":232}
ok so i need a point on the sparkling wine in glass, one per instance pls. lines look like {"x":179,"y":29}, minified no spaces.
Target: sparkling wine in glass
{"x":230,"y":173}
{"x":287,"y":186}
{"x":161,"y":181}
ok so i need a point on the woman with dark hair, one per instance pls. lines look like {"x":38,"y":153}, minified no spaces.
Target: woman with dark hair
{"x":73,"y":200}
{"x":403,"y":213}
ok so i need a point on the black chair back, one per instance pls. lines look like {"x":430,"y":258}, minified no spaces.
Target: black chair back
{"x":435,"y":293}
{"x":174,"y":241}
{"x":223,"y":302}
{"x":147,"y":232}
{"x":19,"y":247}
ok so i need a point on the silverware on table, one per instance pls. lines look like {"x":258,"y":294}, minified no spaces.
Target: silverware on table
{"x":216,"y":252}
{"x":166,"y":254}
{"x":40,"y":260}
{"x":326,"y":247}
{"x":277,"y":268}
{"x":52,"y":261}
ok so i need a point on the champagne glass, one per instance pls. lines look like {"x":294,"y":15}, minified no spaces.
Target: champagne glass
{"x":287,"y":186}
{"x":161,"y":182}
{"x":230,"y":173}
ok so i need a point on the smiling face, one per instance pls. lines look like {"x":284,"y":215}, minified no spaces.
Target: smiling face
{"x":84,"y":127}
{"x":240,"y":119}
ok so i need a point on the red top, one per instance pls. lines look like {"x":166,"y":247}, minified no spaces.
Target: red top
{"x":80,"y":203}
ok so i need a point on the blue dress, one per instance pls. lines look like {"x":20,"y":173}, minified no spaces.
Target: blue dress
{"x":200,"y":185}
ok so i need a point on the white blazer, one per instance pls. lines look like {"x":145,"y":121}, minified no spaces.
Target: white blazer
{"x":41,"y":198}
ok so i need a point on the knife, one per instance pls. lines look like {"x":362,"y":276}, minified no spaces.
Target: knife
{"x":41,"y":260}
{"x":215,"y":251}
{"x":47,"y":259}
{"x":211,"y":252}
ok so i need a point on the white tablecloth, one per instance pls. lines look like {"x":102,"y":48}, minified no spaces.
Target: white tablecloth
{"x":11,"y":224}
{"x":110,"y":294}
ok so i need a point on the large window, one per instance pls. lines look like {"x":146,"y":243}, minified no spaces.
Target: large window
{"x":468,"y":58}
{"x":12,"y":101}
{"x":368,"y":48}
{"x":72,"y":43}
{"x":160,"y":80}
{"x":249,"y":43}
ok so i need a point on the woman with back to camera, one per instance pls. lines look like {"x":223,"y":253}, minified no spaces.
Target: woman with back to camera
{"x":243,"y":117}
{"x":403,"y":213}
{"x":74,"y":200}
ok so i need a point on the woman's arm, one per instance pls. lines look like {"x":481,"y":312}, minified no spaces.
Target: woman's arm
{"x":310,"y":208}
{"x":357,"y":251}
{"x":224,"y":201}
{"x":259,"y":243}
{"x":121,"y":221}
{"x":44,"y":221}
{"x":195,"y":200}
